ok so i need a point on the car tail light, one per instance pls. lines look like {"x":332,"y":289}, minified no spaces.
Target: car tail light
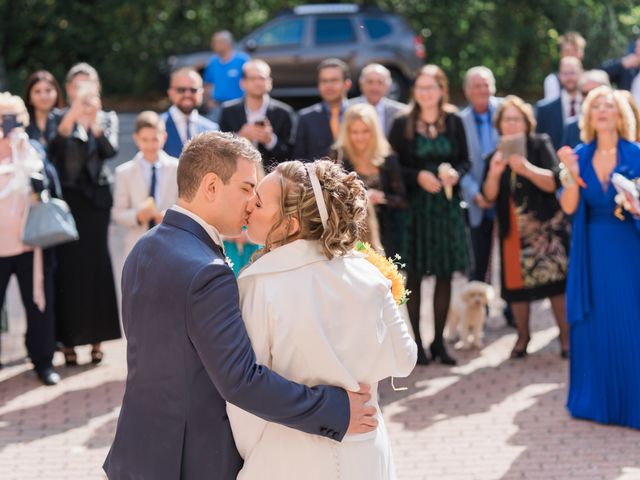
{"x":418,"y":44}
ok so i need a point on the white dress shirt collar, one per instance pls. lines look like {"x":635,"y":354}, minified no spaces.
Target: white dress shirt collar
{"x":565,"y":98}
{"x":210,"y":229}
{"x":254,"y":116}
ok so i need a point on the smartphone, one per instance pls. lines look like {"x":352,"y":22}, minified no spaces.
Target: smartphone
{"x":260,"y":123}
{"x":9,"y":122}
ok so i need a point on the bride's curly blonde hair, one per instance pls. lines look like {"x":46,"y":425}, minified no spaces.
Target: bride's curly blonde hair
{"x":344,"y":195}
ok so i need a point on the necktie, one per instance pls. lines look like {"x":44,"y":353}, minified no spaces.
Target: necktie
{"x":334,"y":121}
{"x":572,"y":107}
{"x":152,"y":190}
{"x":189,"y":134}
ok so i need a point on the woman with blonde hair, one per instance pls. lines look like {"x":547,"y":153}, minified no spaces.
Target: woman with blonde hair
{"x":432,"y":147}
{"x":534,"y":234}
{"x":603,"y":305}
{"x":361,"y":147}
{"x":317,"y":312}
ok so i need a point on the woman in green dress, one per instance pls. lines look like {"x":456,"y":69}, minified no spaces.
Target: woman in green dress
{"x":431,"y":145}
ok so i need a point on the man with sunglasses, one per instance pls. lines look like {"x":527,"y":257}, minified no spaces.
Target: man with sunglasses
{"x":182,"y":120}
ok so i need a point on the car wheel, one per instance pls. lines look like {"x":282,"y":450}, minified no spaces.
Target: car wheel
{"x":399,"y":89}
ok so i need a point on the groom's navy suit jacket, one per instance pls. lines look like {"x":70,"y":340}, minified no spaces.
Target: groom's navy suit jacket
{"x":188,"y":352}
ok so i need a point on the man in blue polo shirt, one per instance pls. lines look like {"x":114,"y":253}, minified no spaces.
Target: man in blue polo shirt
{"x":222,"y":74}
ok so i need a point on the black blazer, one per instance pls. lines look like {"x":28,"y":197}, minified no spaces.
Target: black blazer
{"x":280,"y":115}
{"x":80,"y":160}
{"x":412,"y":164}
{"x":550,"y":120}
{"x":622,"y":77}
{"x":45,"y":137}
{"x":313,"y":136}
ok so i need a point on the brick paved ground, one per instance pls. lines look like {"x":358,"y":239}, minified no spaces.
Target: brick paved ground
{"x":488,"y":418}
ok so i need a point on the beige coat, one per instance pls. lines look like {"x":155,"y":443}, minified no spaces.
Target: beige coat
{"x":131,"y":191}
{"x":319,"y":321}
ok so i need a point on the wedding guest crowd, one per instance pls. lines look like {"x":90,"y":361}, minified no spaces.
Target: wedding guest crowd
{"x":442,"y":185}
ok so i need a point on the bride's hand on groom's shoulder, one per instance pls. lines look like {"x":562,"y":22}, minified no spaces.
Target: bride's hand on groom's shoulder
{"x":362,"y":419}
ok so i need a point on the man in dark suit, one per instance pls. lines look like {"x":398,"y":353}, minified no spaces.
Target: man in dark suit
{"x":182,"y":120}
{"x":318,"y":125}
{"x":625,"y":71}
{"x":375,"y":81}
{"x":588,"y":81}
{"x":259,"y":118}
{"x":551,"y":114}
{"x":187,"y":348}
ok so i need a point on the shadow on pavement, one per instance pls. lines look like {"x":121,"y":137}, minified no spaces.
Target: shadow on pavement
{"x":70,"y":410}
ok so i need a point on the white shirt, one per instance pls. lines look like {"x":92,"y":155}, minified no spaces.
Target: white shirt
{"x":551,"y":86}
{"x":380,"y":111}
{"x":254,"y":116}
{"x":180,"y":119}
{"x":565,"y":98}
{"x":210,"y":229}
{"x":146,"y":166}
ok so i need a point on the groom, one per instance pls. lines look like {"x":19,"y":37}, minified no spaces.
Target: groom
{"x":187,"y":348}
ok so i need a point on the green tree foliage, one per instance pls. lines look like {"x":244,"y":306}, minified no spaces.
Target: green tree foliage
{"x":127,"y":40}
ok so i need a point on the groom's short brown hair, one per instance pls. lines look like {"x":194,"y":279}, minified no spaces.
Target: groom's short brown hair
{"x":212,"y":152}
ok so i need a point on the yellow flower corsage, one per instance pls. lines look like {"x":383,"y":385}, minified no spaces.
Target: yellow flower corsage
{"x":389,"y":267}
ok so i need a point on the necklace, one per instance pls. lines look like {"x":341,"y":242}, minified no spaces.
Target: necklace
{"x":607,"y":151}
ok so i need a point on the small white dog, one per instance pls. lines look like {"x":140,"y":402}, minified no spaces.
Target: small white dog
{"x":468,"y":313}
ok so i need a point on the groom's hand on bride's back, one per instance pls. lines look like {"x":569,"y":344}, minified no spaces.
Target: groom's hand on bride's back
{"x":362,"y":419}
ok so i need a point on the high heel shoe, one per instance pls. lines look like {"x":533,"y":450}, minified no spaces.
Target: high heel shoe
{"x":70,"y":357}
{"x":96,"y":356}
{"x":439,"y":352}
{"x":520,"y":352}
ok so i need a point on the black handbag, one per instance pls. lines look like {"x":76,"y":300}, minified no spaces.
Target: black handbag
{"x":49,"y":223}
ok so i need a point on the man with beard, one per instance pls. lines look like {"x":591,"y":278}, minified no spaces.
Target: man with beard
{"x":551,"y":114}
{"x":182,"y":120}
{"x":318,"y":124}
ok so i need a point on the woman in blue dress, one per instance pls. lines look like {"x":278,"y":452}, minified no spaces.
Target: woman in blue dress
{"x":603,"y":305}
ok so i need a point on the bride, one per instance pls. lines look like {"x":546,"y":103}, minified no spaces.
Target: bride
{"x":317,"y":312}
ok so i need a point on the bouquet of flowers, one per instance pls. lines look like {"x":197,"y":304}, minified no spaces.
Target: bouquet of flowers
{"x":628,"y":196}
{"x":389,"y":267}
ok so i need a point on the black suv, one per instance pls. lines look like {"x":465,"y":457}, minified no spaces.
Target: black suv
{"x":295,"y":41}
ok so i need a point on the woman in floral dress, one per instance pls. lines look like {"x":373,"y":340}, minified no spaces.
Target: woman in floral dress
{"x":534,"y":233}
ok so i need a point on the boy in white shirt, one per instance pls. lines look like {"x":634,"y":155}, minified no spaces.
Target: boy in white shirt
{"x":146,"y":185}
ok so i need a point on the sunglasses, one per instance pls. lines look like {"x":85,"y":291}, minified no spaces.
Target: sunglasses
{"x":183,"y":90}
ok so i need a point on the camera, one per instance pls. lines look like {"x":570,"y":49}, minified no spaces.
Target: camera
{"x":9,"y":122}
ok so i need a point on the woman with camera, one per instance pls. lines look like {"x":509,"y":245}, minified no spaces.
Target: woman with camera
{"x":86,"y":307}
{"x":21,"y":173}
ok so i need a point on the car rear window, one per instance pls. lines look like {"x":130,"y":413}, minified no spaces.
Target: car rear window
{"x":377,"y":27}
{"x":287,"y":32}
{"x":334,"y":30}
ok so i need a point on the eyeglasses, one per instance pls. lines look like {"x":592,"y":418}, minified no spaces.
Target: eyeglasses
{"x":257,"y":78}
{"x":183,"y":90}
{"x":512,"y":119}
